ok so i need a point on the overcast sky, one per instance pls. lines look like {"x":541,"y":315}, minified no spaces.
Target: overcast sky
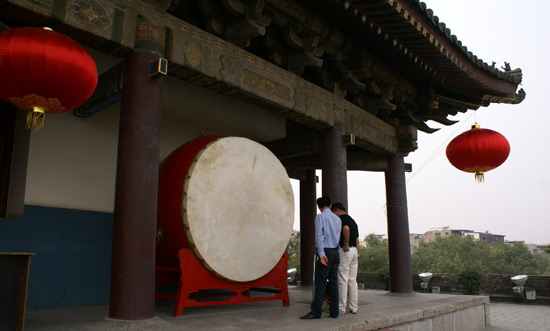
{"x":513,"y":199}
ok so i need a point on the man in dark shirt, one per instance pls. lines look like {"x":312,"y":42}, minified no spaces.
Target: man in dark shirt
{"x":347,"y":270}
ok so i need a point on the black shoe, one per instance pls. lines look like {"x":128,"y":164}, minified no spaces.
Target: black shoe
{"x":309,"y":316}
{"x":333,"y":316}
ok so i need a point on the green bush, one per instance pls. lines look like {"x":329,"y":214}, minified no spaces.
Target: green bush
{"x":383,"y":276}
{"x":471,"y":280}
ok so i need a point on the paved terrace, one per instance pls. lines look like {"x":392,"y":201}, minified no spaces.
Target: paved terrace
{"x":376,"y":310}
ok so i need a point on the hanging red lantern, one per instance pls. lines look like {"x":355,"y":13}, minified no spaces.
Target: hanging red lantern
{"x":478,"y":151}
{"x":44,"y":72}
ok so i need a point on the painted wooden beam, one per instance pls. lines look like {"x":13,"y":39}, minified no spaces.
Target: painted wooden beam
{"x":201,"y":58}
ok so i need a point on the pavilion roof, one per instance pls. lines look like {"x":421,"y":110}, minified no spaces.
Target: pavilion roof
{"x":409,"y":37}
{"x":388,"y":60}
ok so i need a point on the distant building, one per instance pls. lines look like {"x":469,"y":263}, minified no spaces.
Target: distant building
{"x":433,"y":234}
{"x":512,"y":242}
{"x":534,"y":248}
{"x":437,"y":232}
{"x":415,"y":239}
{"x":489,"y":238}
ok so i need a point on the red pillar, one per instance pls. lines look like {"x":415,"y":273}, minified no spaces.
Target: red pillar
{"x":308,"y":210}
{"x":398,"y":226}
{"x":135,"y":214}
{"x":334,"y":166}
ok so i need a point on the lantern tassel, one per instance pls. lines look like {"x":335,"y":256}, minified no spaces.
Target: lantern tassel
{"x":480,"y":177}
{"x":36,"y":118}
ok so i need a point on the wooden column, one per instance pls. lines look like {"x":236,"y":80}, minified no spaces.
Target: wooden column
{"x":135,"y":215}
{"x":398,"y":226}
{"x":14,"y":281}
{"x":14,"y":152}
{"x":334,"y":166}
{"x":308,"y":210}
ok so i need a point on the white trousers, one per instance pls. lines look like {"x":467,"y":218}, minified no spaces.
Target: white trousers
{"x":347,"y":280}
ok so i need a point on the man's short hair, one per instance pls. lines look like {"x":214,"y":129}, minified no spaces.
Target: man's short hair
{"x":338,"y":206}
{"x":323,"y":202}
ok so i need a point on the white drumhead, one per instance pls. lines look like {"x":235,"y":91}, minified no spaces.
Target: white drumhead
{"x":238,"y":208}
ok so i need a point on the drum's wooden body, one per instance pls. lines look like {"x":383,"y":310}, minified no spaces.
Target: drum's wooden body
{"x":230,"y":201}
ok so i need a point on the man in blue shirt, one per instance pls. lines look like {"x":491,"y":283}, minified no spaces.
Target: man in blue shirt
{"x":327,"y":235}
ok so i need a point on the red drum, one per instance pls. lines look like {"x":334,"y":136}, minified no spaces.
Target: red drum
{"x":230,"y":201}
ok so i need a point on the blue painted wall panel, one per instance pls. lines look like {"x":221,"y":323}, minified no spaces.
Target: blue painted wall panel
{"x":72,"y":265}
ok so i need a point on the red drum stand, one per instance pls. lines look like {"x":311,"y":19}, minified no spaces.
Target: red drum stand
{"x":198,"y":287}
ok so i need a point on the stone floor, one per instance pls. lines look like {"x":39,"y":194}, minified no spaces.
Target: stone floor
{"x":514,"y":317}
{"x":374,"y":306}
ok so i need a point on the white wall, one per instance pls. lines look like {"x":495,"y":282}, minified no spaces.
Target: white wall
{"x":189,"y":109}
{"x":72,"y":160}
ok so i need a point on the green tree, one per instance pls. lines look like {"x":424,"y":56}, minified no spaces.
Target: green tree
{"x":452,"y":254}
{"x":516,"y":259}
{"x":544,"y":260}
{"x":455,"y":254}
{"x":293,"y":250}
{"x":374,"y":257}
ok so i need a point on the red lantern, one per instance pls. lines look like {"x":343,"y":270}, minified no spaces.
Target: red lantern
{"x":478,"y":151}
{"x":44,"y":71}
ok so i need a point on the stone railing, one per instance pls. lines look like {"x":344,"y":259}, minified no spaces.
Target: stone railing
{"x":497,"y":287}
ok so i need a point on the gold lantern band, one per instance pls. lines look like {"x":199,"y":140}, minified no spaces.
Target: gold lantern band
{"x":479,"y":171}
{"x":480,"y":178}
{"x":35,"y":118}
{"x":37,"y":107}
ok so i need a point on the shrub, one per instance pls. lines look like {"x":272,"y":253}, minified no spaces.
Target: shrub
{"x":471,"y":280}
{"x":384,"y":277}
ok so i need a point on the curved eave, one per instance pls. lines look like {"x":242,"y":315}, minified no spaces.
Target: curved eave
{"x":513,"y":99}
{"x":407,"y":35}
{"x":514,"y":76}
